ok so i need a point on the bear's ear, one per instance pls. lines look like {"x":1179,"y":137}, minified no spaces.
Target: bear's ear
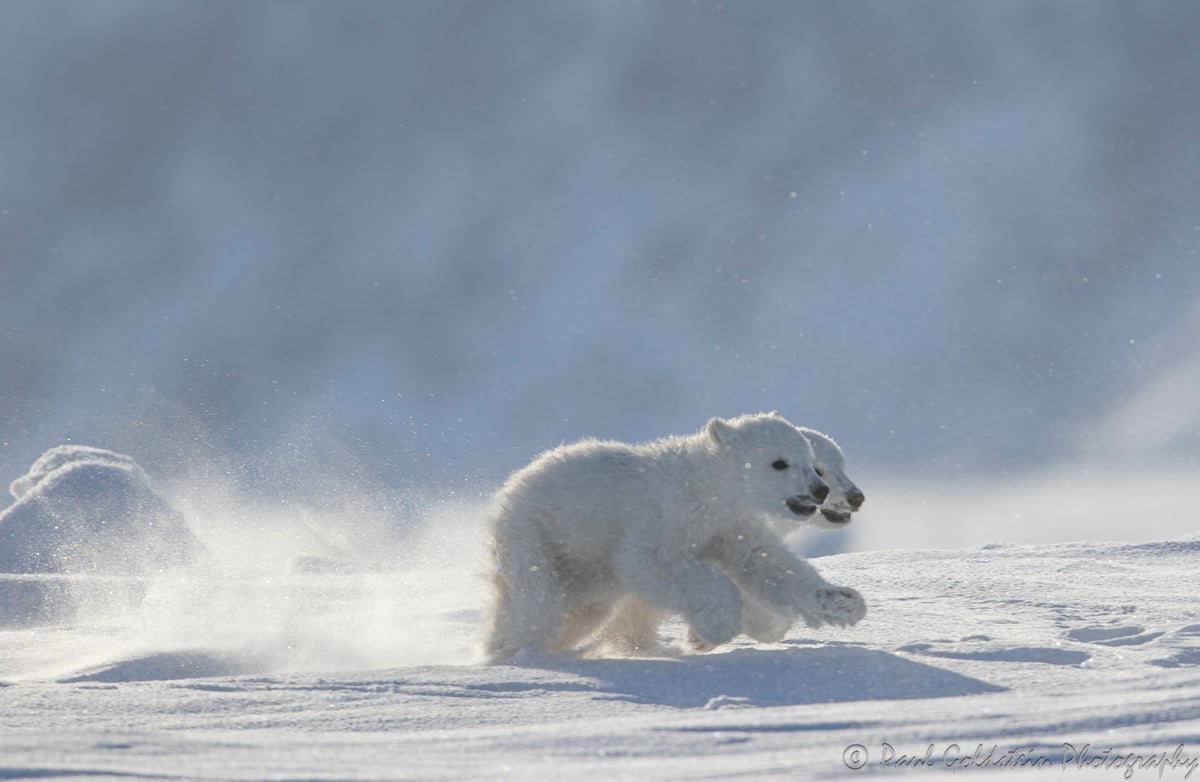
{"x":774,"y":414}
{"x":721,"y":432}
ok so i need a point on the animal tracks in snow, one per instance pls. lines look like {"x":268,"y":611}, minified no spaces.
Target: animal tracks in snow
{"x":1181,"y":658}
{"x":1185,"y":651}
{"x":1182,"y":645}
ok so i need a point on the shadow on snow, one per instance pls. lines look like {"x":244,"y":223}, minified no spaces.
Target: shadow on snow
{"x":767,"y":677}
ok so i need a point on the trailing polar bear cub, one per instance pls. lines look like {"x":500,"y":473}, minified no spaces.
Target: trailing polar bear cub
{"x":683,"y":525}
{"x":830,"y":463}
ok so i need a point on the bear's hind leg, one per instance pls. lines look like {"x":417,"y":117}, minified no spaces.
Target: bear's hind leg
{"x":709,"y":602}
{"x":528,"y":608}
{"x":632,"y":631}
{"x":581,"y":623}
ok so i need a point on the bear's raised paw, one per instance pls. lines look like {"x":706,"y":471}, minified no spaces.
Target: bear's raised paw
{"x":838,"y":606}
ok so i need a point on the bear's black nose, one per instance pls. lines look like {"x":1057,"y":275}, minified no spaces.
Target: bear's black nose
{"x":821,"y":492}
{"x":856,"y":498}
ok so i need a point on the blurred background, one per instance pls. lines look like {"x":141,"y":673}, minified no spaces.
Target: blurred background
{"x":414,"y":243}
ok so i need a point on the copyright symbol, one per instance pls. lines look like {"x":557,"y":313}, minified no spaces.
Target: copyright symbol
{"x":854,"y":756}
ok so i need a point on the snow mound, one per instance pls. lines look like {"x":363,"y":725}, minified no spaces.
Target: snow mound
{"x":88,"y":510}
{"x":162,"y":666}
{"x":82,"y":510}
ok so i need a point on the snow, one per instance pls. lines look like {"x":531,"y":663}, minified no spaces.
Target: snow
{"x":1049,"y":654}
{"x":84,"y":510}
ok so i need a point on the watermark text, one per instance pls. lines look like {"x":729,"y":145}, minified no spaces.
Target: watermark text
{"x":1177,"y":762}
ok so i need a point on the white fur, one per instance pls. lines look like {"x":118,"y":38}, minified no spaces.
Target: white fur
{"x":681,"y":525}
{"x":830,"y":463}
{"x":633,"y":629}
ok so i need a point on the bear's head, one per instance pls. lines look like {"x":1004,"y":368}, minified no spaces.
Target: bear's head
{"x":767,"y":468}
{"x":830,"y":463}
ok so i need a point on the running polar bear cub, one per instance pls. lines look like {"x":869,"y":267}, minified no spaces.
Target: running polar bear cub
{"x":633,"y":628}
{"x":681,"y":524}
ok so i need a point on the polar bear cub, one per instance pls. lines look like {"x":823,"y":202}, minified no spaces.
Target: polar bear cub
{"x":633,"y":627}
{"x":830,"y":463}
{"x":763,"y":622}
{"x":684,"y":525}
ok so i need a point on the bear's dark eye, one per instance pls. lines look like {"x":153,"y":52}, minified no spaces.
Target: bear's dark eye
{"x":820,"y":470}
{"x":779,"y":464}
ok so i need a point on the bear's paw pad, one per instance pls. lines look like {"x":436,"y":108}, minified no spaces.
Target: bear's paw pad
{"x":840,"y":606}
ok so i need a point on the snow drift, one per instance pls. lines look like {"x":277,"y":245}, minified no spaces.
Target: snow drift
{"x":195,"y":581}
{"x":88,"y":510}
{"x":85,"y":511}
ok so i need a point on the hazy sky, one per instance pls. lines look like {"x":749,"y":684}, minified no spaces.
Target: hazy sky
{"x":438,"y":237}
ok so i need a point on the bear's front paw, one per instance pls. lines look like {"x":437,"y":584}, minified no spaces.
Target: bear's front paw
{"x":840,"y":606}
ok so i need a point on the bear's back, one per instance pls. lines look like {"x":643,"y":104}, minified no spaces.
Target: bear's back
{"x":591,"y":493}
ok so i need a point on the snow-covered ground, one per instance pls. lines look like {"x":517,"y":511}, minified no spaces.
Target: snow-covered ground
{"x":1078,"y":658}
